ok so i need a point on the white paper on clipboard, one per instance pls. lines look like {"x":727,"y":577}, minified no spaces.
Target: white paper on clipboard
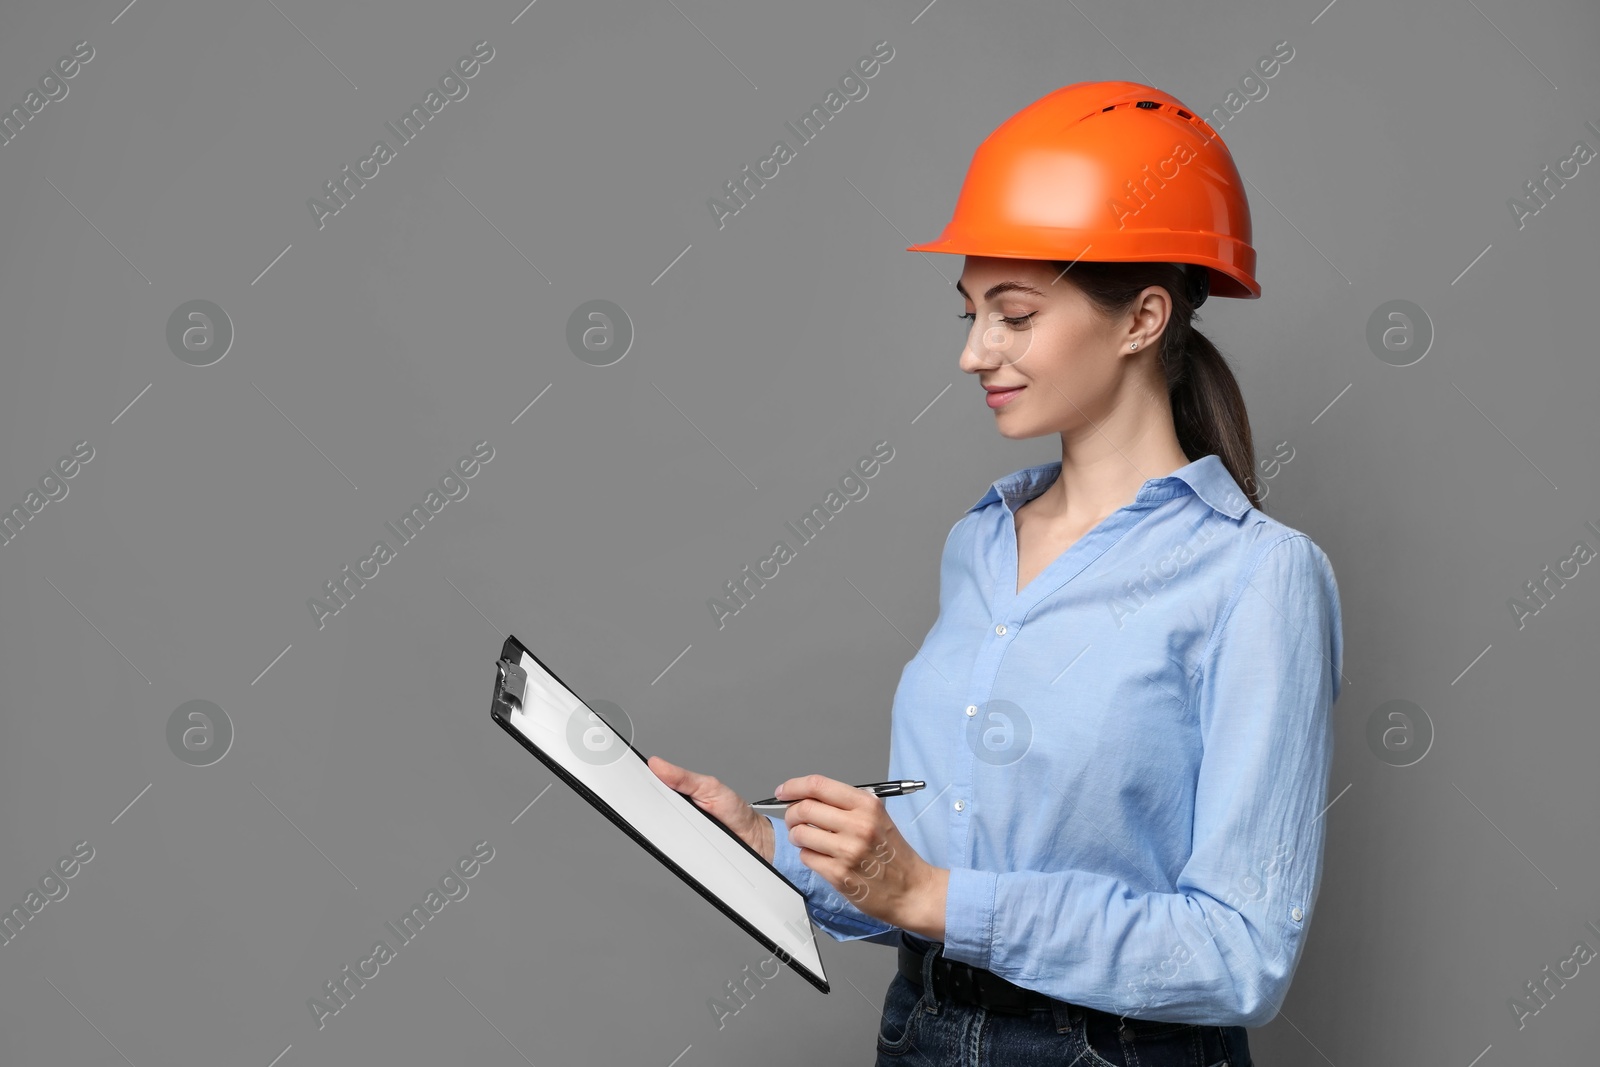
{"x":534,"y":706}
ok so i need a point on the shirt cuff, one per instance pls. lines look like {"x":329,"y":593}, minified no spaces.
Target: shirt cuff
{"x":786,"y":856}
{"x":969,"y":916}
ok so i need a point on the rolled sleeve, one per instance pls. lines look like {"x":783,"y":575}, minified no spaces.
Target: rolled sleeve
{"x":969,"y":926}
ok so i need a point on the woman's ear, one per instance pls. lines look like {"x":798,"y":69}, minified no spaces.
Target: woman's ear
{"x":1152,"y":316}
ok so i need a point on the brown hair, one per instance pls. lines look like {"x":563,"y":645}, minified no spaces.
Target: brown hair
{"x":1208,"y":409}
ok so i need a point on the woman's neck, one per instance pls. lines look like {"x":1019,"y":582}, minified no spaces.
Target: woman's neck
{"x":1098,"y":477}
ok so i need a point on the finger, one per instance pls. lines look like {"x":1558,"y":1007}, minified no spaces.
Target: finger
{"x":834,"y":846}
{"x":679,"y":778}
{"x":667,"y":772}
{"x":839,"y":794}
{"x":818,"y":851}
{"x":817,"y":813}
{"x":814,"y":839}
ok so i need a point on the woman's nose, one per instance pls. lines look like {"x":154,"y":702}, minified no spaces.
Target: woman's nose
{"x":991,"y":343}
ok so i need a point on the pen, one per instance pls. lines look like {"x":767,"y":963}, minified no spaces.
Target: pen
{"x":880,"y":789}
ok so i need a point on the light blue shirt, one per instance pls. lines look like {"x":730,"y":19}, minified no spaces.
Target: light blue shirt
{"x":1127,"y":762}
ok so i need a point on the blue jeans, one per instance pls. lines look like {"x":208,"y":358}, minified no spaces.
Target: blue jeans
{"x":919,"y":1030}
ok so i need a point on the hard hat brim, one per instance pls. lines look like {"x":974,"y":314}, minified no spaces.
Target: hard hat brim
{"x":1227,"y":279}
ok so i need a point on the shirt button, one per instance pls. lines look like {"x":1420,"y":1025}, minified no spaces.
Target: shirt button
{"x":1296,"y":914}
{"x":961,"y":805}
{"x":1001,"y":629}
{"x":972,"y":709}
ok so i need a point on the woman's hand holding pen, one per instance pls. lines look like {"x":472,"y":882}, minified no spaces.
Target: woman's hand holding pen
{"x":721,"y":803}
{"x":845,"y":834}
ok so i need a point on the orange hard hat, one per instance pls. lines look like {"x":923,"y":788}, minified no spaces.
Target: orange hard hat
{"x":1108,"y":171}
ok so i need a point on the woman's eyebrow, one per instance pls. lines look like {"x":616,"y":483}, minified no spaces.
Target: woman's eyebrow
{"x":998,"y":288}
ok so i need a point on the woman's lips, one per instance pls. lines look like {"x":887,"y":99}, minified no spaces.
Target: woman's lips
{"x":1005,"y":397}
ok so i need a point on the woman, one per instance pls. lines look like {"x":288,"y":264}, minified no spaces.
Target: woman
{"x":1122,"y":711}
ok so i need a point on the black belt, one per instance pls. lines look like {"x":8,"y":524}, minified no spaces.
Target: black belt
{"x":965,"y":983}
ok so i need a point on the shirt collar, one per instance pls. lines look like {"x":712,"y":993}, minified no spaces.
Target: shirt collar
{"x":1206,"y":477}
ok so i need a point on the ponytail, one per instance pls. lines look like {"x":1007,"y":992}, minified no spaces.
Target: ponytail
{"x":1208,"y":410}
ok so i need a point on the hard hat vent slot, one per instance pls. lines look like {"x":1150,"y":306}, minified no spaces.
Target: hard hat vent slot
{"x":1147,"y":104}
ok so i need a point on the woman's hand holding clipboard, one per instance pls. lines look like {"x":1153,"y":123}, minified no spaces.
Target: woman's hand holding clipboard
{"x":721,"y":803}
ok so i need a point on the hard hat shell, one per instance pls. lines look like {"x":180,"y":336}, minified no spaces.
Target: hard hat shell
{"x":1106,"y":171}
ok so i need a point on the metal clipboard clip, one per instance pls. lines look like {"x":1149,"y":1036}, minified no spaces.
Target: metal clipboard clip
{"x":510,"y":687}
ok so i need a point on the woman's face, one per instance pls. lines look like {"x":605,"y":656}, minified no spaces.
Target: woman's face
{"x":1041,"y":335}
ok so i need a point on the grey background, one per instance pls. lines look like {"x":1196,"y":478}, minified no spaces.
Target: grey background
{"x":771,"y":355}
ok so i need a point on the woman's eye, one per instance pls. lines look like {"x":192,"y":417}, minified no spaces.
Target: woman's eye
{"x":1020,"y":320}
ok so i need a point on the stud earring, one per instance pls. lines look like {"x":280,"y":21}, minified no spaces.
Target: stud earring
{"x":1134,"y":345}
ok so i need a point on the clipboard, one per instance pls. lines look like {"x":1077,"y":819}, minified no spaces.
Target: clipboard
{"x":537,"y":708}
